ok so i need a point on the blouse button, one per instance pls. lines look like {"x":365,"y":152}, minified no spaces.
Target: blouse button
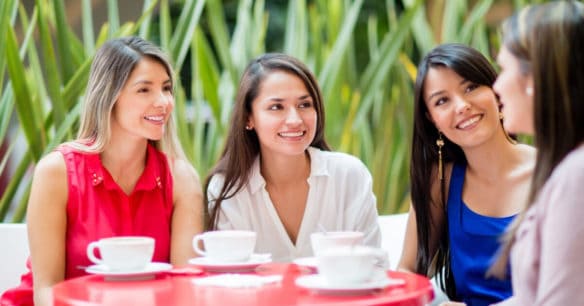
{"x":158,"y":182}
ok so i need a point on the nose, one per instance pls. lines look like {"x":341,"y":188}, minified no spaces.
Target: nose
{"x":462,"y":105}
{"x":163,"y":99}
{"x":293,"y":117}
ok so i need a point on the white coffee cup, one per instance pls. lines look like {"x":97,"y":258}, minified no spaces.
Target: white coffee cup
{"x":344,"y":266}
{"x":322,"y":241}
{"x":226,"y":246}
{"x":124,"y":253}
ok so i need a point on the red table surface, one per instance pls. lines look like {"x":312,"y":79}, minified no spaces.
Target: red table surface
{"x":167,"y":289}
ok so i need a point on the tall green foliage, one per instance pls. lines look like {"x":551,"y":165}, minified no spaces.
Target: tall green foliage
{"x":367,"y":86}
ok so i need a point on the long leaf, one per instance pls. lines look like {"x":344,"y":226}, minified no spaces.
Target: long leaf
{"x":52,"y":73}
{"x":63,"y":39}
{"x":87,"y":26}
{"x":15,"y":183}
{"x":331,"y":67}
{"x":220,"y":37}
{"x":113,"y":18}
{"x":476,"y":16}
{"x":187,"y":24}
{"x":22,"y":94}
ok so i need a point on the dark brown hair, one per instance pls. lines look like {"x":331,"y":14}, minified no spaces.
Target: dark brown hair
{"x":242,"y":146}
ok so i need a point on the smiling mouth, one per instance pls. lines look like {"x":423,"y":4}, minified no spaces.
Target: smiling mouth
{"x":469,"y":122}
{"x":157,"y":119}
{"x":292,"y":134}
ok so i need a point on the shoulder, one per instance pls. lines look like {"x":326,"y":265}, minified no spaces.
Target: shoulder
{"x":570,"y":171}
{"x":216,"y":182}
{"x":52,"y":164}
{"x":49,"y":184}
{"x":184,"y":175}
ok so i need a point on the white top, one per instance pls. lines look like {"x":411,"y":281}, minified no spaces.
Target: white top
{"x":340,"y":197}
{"x":546,"y":259}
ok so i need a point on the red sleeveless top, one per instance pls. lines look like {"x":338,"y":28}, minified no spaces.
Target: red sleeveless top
{"x":97,"y":208}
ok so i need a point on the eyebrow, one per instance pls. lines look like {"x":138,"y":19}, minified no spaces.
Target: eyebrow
{"x":147,"y":82}
{"x":437,"y":93}
{"x":277,"y":99}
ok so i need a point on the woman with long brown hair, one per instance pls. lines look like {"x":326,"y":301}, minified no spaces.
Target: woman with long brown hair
{"x":277,"y":175}
{"x":468,"y":177}
{"x":542,"y":89}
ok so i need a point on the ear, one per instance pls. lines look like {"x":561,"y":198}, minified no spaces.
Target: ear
{"x":249,"y":124}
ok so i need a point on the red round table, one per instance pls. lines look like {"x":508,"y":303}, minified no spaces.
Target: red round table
{"x":170,"y":289}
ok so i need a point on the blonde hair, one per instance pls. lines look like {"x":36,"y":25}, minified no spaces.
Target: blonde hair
{"x":110,"y":70}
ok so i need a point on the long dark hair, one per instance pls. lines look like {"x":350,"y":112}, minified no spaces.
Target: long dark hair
{"x":474,"y":67}
{"x":548,"y":40}
{"x":242,"y":146}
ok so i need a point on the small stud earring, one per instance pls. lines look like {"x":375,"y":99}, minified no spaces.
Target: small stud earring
{"x":529,"y":91}
{"x":247,"y":127}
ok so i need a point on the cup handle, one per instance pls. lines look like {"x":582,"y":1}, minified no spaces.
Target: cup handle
{"x":196,"y":245}
{"x":91,"y":253}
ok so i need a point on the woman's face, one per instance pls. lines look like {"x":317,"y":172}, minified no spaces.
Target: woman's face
{"x":515,"y":90}
{"x":465,"y":112}
{"x":145,"y":103}
{"x":283,"y":115}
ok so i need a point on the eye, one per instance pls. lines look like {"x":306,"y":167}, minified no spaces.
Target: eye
{"x":168,"y":88}
{"x":143,"y":89}
{"x":471,"y":87}
{"x":306,"y":104}
{"x":276,"y":106}
{"x":440,"y":101}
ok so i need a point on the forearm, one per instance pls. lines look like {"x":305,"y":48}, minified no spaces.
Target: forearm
{"x":43,"y":296}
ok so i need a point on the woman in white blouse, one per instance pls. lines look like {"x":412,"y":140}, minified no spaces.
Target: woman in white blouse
{"x":276,"y":175}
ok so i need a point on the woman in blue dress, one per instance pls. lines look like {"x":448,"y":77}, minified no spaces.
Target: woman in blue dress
{"x":469,"y":179}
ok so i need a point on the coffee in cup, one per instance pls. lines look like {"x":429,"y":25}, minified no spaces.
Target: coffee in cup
{"x":125,"y":253}
{"x":322,"y":241}
{"x":226,"y":246}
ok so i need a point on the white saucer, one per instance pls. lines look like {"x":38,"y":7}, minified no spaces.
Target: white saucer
{"x":318,"y":284}
{"x":212,"y":265}
{"x":148,"y":272}
{"x":307,"y":262}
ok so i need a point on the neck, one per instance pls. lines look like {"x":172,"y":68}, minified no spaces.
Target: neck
{"x":495,"y":159}
{"x":124,"y":157}
{"x":285,"y":170}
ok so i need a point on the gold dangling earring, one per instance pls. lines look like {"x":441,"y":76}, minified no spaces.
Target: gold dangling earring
{"x":440,"y":144}
{"x":501,"y":116}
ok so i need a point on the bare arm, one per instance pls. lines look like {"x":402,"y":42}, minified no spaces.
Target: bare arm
{"x":407,"y":261}
{"x":47,"y":225}
{"x":187,"y":215}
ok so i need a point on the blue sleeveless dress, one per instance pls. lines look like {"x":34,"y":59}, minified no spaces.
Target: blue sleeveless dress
{"x":474,"y":241}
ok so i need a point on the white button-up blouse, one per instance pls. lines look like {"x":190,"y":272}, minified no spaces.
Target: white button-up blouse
{"x":340,"y":198}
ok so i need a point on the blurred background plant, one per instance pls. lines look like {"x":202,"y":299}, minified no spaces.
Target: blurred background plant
{"x":363,"y":53}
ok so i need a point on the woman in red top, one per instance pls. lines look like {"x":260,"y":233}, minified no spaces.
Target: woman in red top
{"x":126,"y":174}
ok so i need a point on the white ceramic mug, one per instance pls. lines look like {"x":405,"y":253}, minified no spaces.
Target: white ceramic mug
{"x":124,"y":253}
{"x":345,"y":266}
{"x":226,"y":246}
{"x":322,"y":241}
